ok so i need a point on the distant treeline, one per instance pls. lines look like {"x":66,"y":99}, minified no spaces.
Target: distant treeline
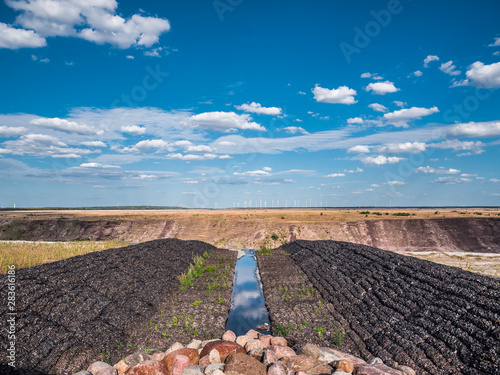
{"x":106,"y":208}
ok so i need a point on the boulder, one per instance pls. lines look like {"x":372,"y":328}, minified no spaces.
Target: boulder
{"x":218,"y":372}
{"x":240,"y":363}
{"x":266,"y":340}
{"x":407,"y":370}
{"x":216,"y":366}
{"x":229,"y":336}
{"x":97,"y":366}
{"x":330,"y":355}
{"x":224,"y":348}
{"x":214,"y":356}
{"x":254,"y":344}
{"x":175,"y":346}
{"x":269,"y":357}
{"x":191,"y":354}
{"x":276,"y":369}
{"x":121,"y":367}
{"x":149,"y":367}
{"x":179,"y":363}
{"x":299,"y":363}
{"x":376,"y":369}
{"x":279,"y":341}
{"x":257,"y":354}
{"x":345,"y":365}
{"x":194,"y":344}
{"x":106,"y":371}
{"x":322,"y":369}
{"x":204,"y":361}
{"x":193,"y":370}
{"x":253,"y":334}
{"x":242,"y":340}
{"x":375,"y":361}
{"x":282,"y":351}
{"x":158,"y":356}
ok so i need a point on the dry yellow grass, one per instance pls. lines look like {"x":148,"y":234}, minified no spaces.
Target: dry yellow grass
{"x":29,"y":254}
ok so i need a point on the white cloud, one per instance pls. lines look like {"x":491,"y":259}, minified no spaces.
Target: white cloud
{"x":476,"y":147}
{"x":395,"y":183}
{"x":149,"y":144}
{"x":496,"y":43}
{"x":440,"y":170}
{"x":407,"y":147}
{"x":399,"y":103}
{"x":130,"y":57}
{"x":66,"y":126}
{"x":98,"y":165}
{"x":336,"y":175}
{"x":381,"y":88}
{"x":418,"y":73}
{"x":378,"y":107}
{"x":451,"y":180}
{"x":267,"y":169}
{"x":133,"y":129}
{"x":486,"y":76}
{"x":494,"y":180}
{"x":225,"y":121}
{"x":366,"y":75}
{"x":359,"y":149}
{"x":199,"y":148}
{"x":341,"y":95}
{"x":370,"y":75}
{"x":355,"y":120}
{"x":357,"y":170}
{"x":257,"y":173}
{"x":402,"y":116}
{"x":259,"y":109}
{"x":12,"y":38}
{"x":430,"y":58}
{"x":225,"y":157}
{"x":95,"y":21}
{"x":94,"y":144}
{"x":148,"y":177}
{"x":6,"y":131}
{"x":295,"y":130}
{"x":449,"y":68}
{"x":190,"y":157}
{"x":301,"y":93}
{"x":156,"y":52}
{"x":381,"y":160}
{"x":474,"y":130}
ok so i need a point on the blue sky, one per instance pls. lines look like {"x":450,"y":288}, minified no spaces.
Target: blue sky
{"x":247,"y":103}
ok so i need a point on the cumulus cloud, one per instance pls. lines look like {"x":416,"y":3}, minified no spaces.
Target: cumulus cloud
{"x":474,"y":130}
{"x":402,"y":116}
{"x":12,"y":38}
{"x":381,"y":160}
{"x":336,"y":175}
{"x":399,"y":103}
{"x":475,"y":147}
{"x":133,"y":129}
{"x":485,"y":76}
{"x":225,"y":121}
{"x":370,"y":75}
{"x":148,"y":145}
{"x":341,"y":95}
{"x":191,"y":157}
{"x":98,"y":165}
{"x":418,"y":73}
{"x":96,"y":21}
{"x":360,"y":149}
{"x":378,"y":107}
{"x":451,"y":180}
{"x":355,"y":120}
{"x":395,"y":183}
{"x":496,"y":43}
{"x":440,"y":170}
{"x":259,"y":109}
{"x":397,"y":148}
{"x":449,"y":68}
{"x":381,"y":88}
{"x":430,"y":58}
{"x":7,"y":131}
{"x":257,"y":173}
{"x":94,"y":144}
{"x":66,"y":126}
{"x":295,"y":130}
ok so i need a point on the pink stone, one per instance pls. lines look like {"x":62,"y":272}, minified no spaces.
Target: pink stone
{"x":254,"y":344}
{"x":180,"y":361}
{"x":282,"y":351}
{"x":253,"y":334}
{"x":279,"y":341}
{"x":266,"y":340}
{"x":229,"y":336}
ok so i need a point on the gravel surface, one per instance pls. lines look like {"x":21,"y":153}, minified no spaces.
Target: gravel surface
{"x":101,"y":306}
{"x":433,"y":318}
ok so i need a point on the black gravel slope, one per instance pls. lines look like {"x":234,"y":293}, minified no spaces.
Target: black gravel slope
{"x":70,"y":311}
{"x":435,"y":318}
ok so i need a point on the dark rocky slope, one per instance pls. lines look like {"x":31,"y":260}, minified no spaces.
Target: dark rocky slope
{"x":433,"y":318}
{"x":100,"y":305}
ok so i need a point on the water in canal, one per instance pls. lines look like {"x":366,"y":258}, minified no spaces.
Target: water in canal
{"x":248,"y":307}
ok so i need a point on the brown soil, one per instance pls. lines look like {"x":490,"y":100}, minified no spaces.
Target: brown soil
{"x":423,"y":230}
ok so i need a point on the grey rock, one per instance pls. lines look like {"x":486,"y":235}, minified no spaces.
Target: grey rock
{"x":83,"y":372}
{"x":256,"y":353}
{"x":98,"y":366}
{"x":216,"y":366}
{"x":264,"y":327}
{"x":375,"y":361}
{"x":193,"y":370}
{"x":310,"y":350}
